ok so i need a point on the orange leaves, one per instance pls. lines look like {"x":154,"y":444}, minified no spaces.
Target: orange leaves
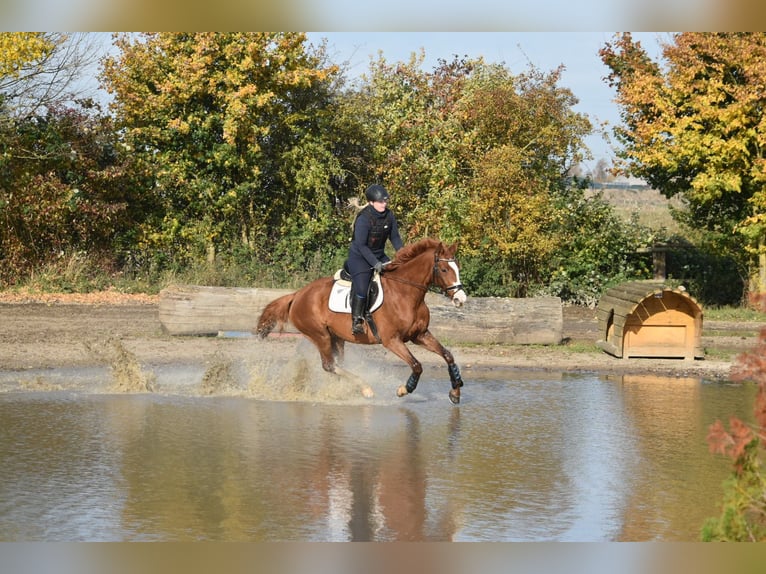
{"x":731,"y":443}
{"x":750,"y":366}
{"x":743,"y":517}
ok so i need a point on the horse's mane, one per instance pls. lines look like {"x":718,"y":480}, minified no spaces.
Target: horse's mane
{"x":412,"y":250}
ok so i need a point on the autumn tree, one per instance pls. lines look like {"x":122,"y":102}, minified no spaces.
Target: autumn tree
{"x":693,"y":127}
{"x":475,"y":153}
{"x":418,"y":141}
{"x":67,"y":189}
{"x":234,"y":127}
{"x":525,"y":137}
{"x":19,"y":49}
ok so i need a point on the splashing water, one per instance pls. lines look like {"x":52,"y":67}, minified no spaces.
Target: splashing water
{"x":127,"y":375}
{"x":302,"y":378}
{"x":220,"y":377}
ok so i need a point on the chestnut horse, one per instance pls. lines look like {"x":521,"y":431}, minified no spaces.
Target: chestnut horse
{"x":402,"y":317}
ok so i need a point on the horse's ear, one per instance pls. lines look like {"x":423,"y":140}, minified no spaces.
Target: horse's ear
{"x":453,"y":248}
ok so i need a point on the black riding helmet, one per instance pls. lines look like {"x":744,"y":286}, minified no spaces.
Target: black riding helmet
{"x":376,"y":192}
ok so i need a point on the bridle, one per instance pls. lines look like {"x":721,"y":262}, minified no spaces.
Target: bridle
{"x":446,"y":290}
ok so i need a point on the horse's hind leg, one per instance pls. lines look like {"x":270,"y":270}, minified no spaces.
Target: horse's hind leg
{"x":431,"y":343}
{"x":338,"y":348}
{"x":326,"y":348}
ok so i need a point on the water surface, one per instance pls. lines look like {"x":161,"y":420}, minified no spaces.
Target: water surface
{"x":525,"y":457}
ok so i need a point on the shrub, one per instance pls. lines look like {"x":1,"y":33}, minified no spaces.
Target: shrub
{"x":743,"y":514}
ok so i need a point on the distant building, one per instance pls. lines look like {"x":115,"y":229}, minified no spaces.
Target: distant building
{"x":621,"y":182}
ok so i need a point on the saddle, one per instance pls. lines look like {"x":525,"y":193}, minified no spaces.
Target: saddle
{"x":340,"y":294}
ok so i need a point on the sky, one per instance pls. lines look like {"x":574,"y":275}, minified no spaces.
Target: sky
{"x":576,"y":51}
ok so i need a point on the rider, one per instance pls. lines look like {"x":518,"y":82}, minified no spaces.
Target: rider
{"x":373,"y":226}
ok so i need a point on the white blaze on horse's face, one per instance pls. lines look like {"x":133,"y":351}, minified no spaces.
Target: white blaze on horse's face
{"x":459,"y":296}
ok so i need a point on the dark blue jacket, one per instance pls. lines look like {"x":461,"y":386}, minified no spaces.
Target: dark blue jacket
{"x":371,"y":231}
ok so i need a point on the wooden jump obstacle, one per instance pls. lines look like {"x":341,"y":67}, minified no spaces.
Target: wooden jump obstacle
{"x":210,"y":311}
{"x":649,"y":319}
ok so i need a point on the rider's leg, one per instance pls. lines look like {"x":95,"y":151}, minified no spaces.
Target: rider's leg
{"x":360,"y":282}
{"x":358,"y":305}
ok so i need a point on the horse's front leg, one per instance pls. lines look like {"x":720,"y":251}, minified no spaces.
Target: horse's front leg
{"x":427,"y":340}
{"x":398,"y":347}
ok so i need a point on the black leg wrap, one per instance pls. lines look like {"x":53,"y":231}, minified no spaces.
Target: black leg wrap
{"x":412,"y":382}
{"x":454,"y":376}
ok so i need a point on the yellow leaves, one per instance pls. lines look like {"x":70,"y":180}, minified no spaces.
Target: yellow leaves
{"x":19,"y":49}
{"x":696,"y":126}
{"x":180,"y":125}
{"x":510,"y":208}
{"x":707,"y":186}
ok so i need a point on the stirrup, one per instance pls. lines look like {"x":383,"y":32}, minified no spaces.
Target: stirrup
{"x":357,"y":326}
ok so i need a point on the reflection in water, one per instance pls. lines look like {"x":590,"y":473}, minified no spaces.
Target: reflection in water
{"x":524,"y":458}
{"x":671,"y":416}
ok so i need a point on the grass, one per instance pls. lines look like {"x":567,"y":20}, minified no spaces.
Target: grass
{"x":721,"y":354}
{"x":75,"y":273}
{"x":735,"y":314}
{"x":651,"y":207}
{"x":581,"y":347}
{"x":733,"y":333}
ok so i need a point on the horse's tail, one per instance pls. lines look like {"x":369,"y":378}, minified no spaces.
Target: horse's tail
{"x":274,"y":314}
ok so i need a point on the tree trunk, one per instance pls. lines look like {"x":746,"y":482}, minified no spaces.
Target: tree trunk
{"x":761,"y":267}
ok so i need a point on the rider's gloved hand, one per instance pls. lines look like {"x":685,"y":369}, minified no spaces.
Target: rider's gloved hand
{"x":378,"y":267}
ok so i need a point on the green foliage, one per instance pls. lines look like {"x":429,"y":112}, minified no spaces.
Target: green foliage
{"x":522,"y":140}
{"x":486,"y":276}
{"x":474,"y":153}
{"x":743,"y":509}
{"x":231,"y":158}
{"x":596,"y":249}
{"x":706,"y":270}
{"x":593,"y":249}
{"x":734,"y":313}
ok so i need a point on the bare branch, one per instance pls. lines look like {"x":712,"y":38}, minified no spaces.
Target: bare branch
{"x":54,"y":79}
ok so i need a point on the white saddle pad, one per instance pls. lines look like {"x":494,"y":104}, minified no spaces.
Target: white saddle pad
{"x":340,"y":295}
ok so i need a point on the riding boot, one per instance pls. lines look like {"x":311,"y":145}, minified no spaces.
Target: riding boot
{"x":357,"y":315}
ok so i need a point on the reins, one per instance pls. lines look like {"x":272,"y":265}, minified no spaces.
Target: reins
{"x":407,"y":282}
{"x":426,"y":288}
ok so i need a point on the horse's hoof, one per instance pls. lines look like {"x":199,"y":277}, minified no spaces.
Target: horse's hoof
{"x":367,"y":392}
{"x":401,"y":391}
{"x":454,"y":398}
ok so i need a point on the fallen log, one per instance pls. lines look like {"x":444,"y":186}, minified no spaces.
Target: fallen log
{"x":498,"y":320}
{"x":201,"y":310}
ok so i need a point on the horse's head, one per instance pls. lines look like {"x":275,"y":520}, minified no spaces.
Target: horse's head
{"x":447,"y":274}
